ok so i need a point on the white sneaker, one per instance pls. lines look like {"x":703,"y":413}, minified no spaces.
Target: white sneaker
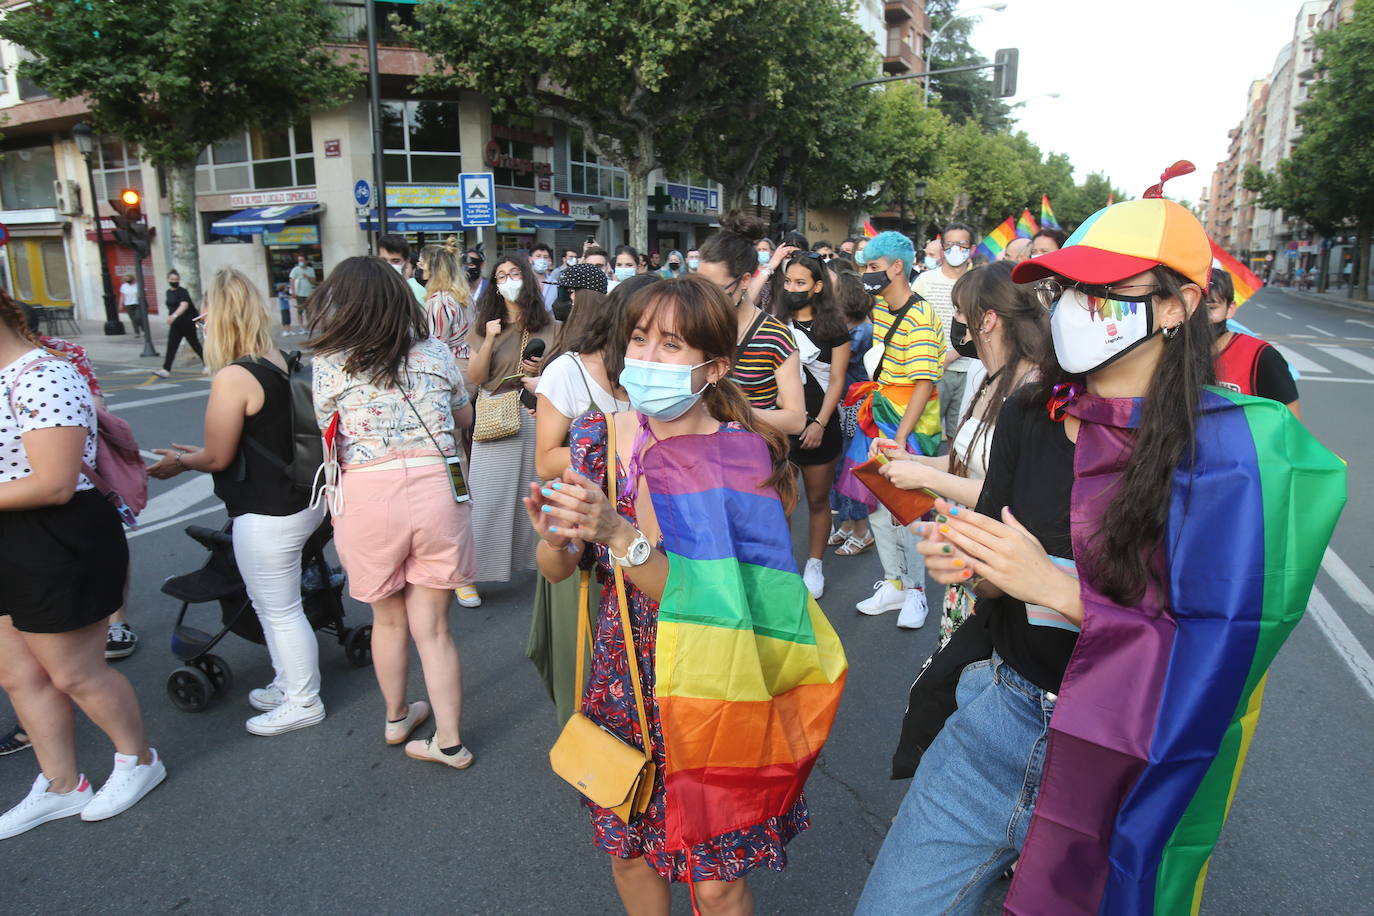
{"x":128,"y":782}
{"x":41,"y":806}
{"x":886,"y":597}
{"x":913,"y":615}
{"x":162,"y":373}
{"x":286,"y":717}
{"x":814,"y":578}
{"x":467,"y":596}
{"x":266,"y":698}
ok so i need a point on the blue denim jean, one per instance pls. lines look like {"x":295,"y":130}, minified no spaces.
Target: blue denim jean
{"x":965,"y":817}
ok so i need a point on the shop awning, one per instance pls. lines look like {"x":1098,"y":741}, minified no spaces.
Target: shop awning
{"x":263,"y":219}
{"x":416,"y":219}
{"x":527,"y":217}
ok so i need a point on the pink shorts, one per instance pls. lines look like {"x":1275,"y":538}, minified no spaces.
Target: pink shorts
{"x":402,"y":526}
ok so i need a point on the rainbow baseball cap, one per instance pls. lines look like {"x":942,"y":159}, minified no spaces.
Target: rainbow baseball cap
{"x":1126,"y":239}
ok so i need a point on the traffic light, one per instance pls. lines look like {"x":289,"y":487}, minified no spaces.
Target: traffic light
{"x":130,"y":228}
{"x":1004,"y":77}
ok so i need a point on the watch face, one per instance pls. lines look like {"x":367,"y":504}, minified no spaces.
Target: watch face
{"x":639,"y":551}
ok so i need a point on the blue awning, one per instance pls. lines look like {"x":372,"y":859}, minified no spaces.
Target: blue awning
{"x":416,"y":219}
{"x":259,"y":219}
{"x":531,"y":216}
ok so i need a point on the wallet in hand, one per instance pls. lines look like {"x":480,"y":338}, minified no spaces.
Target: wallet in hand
{"x":906,"y":506}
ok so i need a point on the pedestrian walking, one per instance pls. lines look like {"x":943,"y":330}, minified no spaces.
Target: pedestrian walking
{"x":1245,"y":363}
{"x":935,"y":287}
{"x":1121,"y":464}
{"x":63,"y":562}
{"x":692,"y":434}
{"x":302,"y":285}
{"x":509,"y":337}
{"x":852,"y":535}
{"x":181,"y":315}
{"x":405,"y":541}
{"x":249,"y":450}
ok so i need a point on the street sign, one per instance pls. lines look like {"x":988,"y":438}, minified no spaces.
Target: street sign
{"x":362,"y":192}
{"x":478,"y":190}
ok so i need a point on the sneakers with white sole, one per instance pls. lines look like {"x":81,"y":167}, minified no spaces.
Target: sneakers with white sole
{"x":913,"y":615}
{"x":286,"y":717}
{"x":814,"y":577}
{"x":886,"y":597}
{"x":416,"y":714}
{"x":266,"y":698}
{"x":428,"y":749}
{"x":120,"y":641}
{"x":128,"y":783}
{"x":467,"y":596}
{"x":41,"y":806}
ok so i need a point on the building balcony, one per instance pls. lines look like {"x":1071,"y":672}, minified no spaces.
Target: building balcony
{"x":896,"y":12}
{"x":901,"y":58}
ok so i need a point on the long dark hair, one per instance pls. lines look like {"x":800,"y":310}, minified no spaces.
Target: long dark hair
{"x":1122,"y":552}
{"x":613,"y":350}
{"x":577,"y":333}
{"x":705,"y":319}
{"x":1025,"y":333}
{"x":733,"y":243}
{"x":364,"y":309}
{"x":826,"y":320}
{"x":533,"y":315}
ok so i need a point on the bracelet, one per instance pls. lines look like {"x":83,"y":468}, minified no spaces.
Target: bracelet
{"x":177,"y":458}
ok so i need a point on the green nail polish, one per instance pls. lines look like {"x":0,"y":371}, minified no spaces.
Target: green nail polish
{"x":941,"y":518}
{"x":946,"y":548}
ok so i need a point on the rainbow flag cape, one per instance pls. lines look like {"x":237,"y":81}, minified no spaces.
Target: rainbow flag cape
{"x":1245,"y":281}
{"x":749,"y":671}
{"x":881,"y":408}
{"x":1047,"y":217}
{"x":995,"y":241}
{"x":1160,"y":700}
{"x":869,"y":231}
{"x":1026,"y":226}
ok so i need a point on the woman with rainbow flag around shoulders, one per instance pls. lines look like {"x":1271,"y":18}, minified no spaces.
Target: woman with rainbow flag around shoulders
{"x":1099,"y":745}
{"x":740,"y":672}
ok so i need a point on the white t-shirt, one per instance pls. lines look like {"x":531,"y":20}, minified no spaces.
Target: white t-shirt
{"x":128,"y":293}
{"x":50,"y":395}
{"x":566,"y":383}
{"x":934,"y":287}
{"x":302,"y":278}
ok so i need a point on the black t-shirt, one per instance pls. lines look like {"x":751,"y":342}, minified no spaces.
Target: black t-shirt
{"x":177,"y":296}
{"x":1272,"y":378}
{"x":815,"y":394}
{"x":1030,"y":469}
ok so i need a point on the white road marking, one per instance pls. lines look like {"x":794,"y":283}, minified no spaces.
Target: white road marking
{"x":178,"y":499}
{"x":1348,"y":381}
{"x":129,"y":372}
{"x":1349,"y":582}
{"x":158,"y":526}
{"x":1358,"y":360}
{"x":1261,"y":305}
{"x":1358,"y":321}
{"x":1302,"y":363}
{"x":1320,"y":331}
{"x":1282,"y":315}
{"x":1342,"y":640}
{"x":162,"y":399}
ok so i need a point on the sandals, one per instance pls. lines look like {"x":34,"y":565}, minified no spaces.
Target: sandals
{"x":837,"y":537}
{"x":10,"y":743}
{"x":853,"y":546}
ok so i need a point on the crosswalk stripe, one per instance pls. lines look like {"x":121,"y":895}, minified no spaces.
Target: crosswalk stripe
{"x":1300,"y":362}
{"x":1349,"y":582}
{"x":1350,"y":356}
{"x":163,"y":399}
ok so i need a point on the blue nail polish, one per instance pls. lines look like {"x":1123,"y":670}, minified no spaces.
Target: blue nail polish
{"x":553,"y":529}
{"x":953,"y":510}
{"x":546,"y":491}
{"x":556,"y":485}
{"x":546,"y":508}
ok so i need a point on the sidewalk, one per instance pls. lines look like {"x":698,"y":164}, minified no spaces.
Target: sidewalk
{"x":1338,"y":299}
{"x":124,"y":349}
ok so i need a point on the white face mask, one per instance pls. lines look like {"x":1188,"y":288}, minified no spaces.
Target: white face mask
{"x":540,"y":265}
{"x":1089,"y":333}
{"x":956,"y":256}
{"x":399,"y":268}
{"x":510,"y":288}
{"x":693,"y":263}
{"x":570,"y":261}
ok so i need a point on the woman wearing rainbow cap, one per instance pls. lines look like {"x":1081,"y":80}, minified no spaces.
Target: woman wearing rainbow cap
{"x":1100,"y":739}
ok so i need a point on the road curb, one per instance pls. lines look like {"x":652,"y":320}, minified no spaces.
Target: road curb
{"x":1354,"y":305}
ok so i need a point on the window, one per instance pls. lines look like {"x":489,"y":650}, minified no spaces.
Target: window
{"x":590,"y":175}
{"x":26,"y":178}
{"x":28,"y":89}
{"x":258,"y":159}
{"x":55,"y":270}
{"x":420,"y":142}
{"x":520,"y":150}
{"x":116,"y":167}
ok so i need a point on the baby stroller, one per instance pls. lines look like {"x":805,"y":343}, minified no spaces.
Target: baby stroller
{"x":204,"y":676}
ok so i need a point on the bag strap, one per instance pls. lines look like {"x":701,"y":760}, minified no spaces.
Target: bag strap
{"x":101,"y":485}
{"x":584,"y":613}
{"x":423,"y":425}
{"x":897,"y":317}
{"x":586,"y":383}
{"x":759,"y":319}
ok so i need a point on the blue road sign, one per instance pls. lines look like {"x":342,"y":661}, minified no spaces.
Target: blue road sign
{"x":362,"y":192}
{"x":478,"y":190}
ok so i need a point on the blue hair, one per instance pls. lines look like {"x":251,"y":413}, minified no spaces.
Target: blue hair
{"x":891,"y":245}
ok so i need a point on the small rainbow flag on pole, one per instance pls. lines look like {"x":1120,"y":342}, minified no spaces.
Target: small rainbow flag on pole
{"x":1047,"y":217}
{"x":1245,"y":281}
{"x":998,"y":239}
{"x":869,"y":231}
{"x":1026,"y":226}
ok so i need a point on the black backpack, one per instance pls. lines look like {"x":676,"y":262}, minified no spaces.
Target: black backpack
{"x":307,"y":446}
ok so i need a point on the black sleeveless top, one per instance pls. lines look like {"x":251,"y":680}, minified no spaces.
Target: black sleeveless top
{"x":253,"y":484}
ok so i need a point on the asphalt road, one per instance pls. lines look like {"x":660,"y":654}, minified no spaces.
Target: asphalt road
{"x":330,"y":820}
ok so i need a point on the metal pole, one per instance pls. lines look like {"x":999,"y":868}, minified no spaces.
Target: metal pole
{"x":916,"y":76}
{"x":374,"y":90}
{"x":148,"y":348}
{"x":113,"y":326}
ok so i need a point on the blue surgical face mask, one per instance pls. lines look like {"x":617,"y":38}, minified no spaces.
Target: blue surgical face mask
{"x":765,"y":257}
{"x":624,"y":273}
{"x":931,"y":263}
{"x":660,"y":391}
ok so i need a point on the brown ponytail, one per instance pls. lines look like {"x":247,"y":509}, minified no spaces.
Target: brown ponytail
{"x":14,"y":318}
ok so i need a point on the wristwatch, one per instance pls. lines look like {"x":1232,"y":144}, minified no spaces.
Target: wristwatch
{"x":637,"y":554}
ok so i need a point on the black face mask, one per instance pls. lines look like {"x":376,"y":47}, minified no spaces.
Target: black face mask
{"x":562,"y":306}
{"x":474,"y":272}
{"x":419,"y":276}
{"x":173,"y":284}
{"x":795,"y":300}
{"x":674,"y":266}
{"x":1219,"y":330}
{"x":875,"y":281}
{"x":960,"y":340}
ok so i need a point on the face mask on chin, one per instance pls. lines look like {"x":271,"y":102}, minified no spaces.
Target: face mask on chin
{"x":1091,"y":333}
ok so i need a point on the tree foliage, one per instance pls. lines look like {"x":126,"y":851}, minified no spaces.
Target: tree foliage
{"x":967,"y":96}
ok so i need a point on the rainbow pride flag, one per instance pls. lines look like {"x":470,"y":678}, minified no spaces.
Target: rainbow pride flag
{"x":1244,"y":280}
{"x":1160,"y":699}
{"x":995,"y":241}
{"x":869,"y":231}
{"x":1026,"y":226}
{"x":1047,"y":217}
{"x":749,"y":671}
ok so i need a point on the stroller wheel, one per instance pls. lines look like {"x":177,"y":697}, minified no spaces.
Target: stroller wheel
{"x":358,"y":646}
{"x":190,"y":689}
{"x":217,"y":670}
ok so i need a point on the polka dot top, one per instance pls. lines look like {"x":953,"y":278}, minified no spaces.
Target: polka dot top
{"x":51,"y":394}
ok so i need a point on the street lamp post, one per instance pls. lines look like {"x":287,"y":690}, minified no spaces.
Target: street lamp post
{"x":955,"y":17}
{"x":84,"y":138}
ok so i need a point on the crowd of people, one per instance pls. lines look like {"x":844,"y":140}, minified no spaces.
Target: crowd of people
{"x":638,"y":429}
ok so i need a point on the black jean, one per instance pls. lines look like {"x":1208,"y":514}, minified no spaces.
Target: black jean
{"x":182,"y":328}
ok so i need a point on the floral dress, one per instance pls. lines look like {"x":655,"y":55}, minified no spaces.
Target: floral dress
{"x":608,"y":701}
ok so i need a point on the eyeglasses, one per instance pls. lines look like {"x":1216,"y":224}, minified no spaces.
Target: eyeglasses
{"x":964,"y":245}
{"x":1050,"y":291}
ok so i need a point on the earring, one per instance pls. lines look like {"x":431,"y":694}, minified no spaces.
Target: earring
{"x":1171,"y":333}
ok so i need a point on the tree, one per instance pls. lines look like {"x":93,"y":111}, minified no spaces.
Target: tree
{"x":967,"y":96}
{"x":174,"y":77}
{"x":1328,"y":180}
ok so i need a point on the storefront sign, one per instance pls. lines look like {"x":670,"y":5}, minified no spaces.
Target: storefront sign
{"x":333,"y":149}
{"x":432,"y":195}
{"x":292,"y":235}
{"x":520,"y":135}
{"x":494,"y":157}
{"x":580,"y":212}
{"x":267,"y":198}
